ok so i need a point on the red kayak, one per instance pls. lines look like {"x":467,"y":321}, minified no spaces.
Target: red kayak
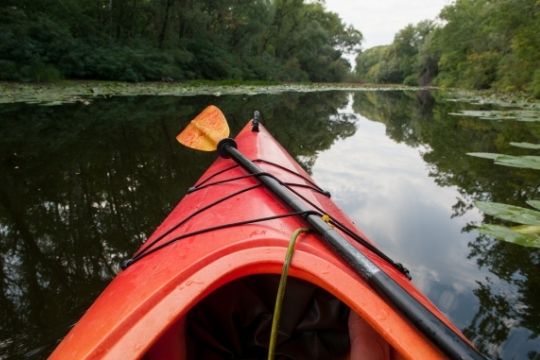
{"x":203,"y":285}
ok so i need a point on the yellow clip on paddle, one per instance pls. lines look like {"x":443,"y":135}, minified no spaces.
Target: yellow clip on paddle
{"x":205,"y":131}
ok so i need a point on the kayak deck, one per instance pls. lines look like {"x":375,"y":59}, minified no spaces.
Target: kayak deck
{"x":147,"y":308}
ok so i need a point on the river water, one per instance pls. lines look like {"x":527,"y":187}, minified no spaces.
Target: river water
{"x":84,"y":183}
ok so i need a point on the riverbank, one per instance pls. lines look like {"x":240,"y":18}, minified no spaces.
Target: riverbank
{"x":73,"y":91}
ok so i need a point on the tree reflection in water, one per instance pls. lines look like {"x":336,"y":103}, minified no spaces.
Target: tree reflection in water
{"x":509,"y":298}
{"x":82,"y":186}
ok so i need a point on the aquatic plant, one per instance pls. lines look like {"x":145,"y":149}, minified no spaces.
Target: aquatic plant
{"x":528,"y":232}
{"x":525,"y":234}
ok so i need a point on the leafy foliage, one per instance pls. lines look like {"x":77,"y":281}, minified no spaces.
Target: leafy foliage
{"x":400,"y":62}
{"x":479,"y":44}
{"x":293,"y":40}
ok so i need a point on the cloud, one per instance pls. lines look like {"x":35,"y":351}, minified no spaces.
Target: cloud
{"x":380,"y":20}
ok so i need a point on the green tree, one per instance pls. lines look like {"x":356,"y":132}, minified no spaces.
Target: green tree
{"x":478,"y":44}
{"x":398,"y":62}
{"x":173,"y":40}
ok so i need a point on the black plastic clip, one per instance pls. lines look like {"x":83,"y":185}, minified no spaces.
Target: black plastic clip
{"x":255,"y":122}
{"x":222,"y":147}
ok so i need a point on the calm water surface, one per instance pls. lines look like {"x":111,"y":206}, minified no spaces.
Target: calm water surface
{"x":83,"y":185}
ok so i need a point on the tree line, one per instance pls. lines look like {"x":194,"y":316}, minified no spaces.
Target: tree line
{"x":475,"y":44}
{"x":138,"y":40}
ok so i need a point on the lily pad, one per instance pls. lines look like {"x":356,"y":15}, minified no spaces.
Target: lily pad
{"x":525,"y":145}
{"x":524,"y":161}
{"x":527,"y":229}
{"x":491,"y":156}
{"x":506,"y":234}
{"x":65,"y":91}
{"x":510,"y":213}
{"x":484,"y":114}
{"x":534,"y":203}
{"x":495,"y":115}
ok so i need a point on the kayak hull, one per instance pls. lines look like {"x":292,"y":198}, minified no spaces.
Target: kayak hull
{"x":147,"y":301}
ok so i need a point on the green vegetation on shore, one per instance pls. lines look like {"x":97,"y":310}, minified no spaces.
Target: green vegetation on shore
{"x":166,"y":40}
{"x":477,"y":44}
{"x":73,"y":91}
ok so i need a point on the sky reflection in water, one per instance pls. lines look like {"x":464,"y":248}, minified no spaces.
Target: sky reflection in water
{"x":387,"y":190}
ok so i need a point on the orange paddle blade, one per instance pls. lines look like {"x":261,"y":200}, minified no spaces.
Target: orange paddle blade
{"x":205,"y":131}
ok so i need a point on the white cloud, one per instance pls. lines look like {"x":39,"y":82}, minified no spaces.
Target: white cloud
{"x":386,"y":189}
{"x":380,"y":20}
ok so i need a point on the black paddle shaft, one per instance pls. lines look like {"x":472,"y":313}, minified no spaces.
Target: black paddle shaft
{"x":430,"y":325}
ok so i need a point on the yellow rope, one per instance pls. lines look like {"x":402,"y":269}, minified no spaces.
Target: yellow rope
{"x":281,"y":291}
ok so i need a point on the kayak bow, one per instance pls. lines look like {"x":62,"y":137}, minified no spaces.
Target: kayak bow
{"x":228,"y":229}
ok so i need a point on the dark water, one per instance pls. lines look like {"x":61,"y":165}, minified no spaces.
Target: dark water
{"x":81,"y":187}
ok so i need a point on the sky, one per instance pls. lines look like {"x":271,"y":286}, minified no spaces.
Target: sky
{"x":380,"y":20}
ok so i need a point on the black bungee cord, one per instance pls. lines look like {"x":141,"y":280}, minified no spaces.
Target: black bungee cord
{"x":152,"y":247}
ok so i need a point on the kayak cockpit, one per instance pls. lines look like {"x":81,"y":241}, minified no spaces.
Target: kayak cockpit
{"x":234,"y":322}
